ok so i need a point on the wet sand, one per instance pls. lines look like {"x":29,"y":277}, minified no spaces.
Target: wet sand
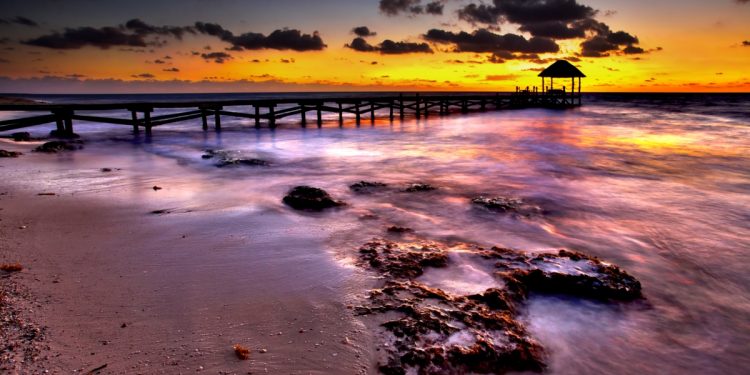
{"x":143,"y":293}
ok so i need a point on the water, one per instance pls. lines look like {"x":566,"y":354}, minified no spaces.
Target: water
{"x":657,"y":184}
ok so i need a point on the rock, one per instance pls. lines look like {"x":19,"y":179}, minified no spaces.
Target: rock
{"x":156,"y":188}
{"x":63,"y":134}
{"x":310,"y":198}
{"x":506,"y":205}
{"x":399,"y":230}
{"x":228,"y":158}
{"x":58,"y":146}
{"x":21,"y":136}
{"x":366,"y":187}
{"x":9,"y":154}
{"x":439,"y":332}
{"x":413,"y":188}
{"x":106,"y":170}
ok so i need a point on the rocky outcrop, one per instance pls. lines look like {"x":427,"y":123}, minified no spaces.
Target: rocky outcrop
{"x":419,"y":187}
{"x":58,"y":146}
{"x":438,"y":332}
{"x":310,"y":199}
{"x":366,"y":187}
{"x":9,"y":154}
{"x":229,"y":158}
{"x":506,"y":205}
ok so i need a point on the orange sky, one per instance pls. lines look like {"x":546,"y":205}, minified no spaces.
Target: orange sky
{"x":689,"y":46}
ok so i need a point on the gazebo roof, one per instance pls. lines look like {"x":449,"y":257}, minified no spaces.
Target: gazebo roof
{"x":561,"y":69}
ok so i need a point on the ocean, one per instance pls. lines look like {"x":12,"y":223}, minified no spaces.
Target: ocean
{"x":658,"y":184}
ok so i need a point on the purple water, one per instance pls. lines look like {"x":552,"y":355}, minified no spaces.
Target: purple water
{"x":658,"y":184}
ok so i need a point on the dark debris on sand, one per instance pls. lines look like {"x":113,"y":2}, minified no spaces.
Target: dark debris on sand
{"x":22,"y":341}
{"x":309,"y":198}
{"x":438,"y":332}
{"x":21,"y":137}
{"x":228,"y":159}
{"x":58,"y":146}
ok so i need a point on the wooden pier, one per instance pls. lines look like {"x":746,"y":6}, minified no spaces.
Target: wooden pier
{"x":144,"y":116}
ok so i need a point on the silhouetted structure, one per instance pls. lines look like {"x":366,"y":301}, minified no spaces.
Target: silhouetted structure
{"x":143,"y":115}
{"x":562,"y":69}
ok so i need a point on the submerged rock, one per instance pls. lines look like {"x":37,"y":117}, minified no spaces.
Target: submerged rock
{"x":310,"y":198}
{"x":419,"y":187}
{"x":63,"y":134}
{"x":9,"y":154}
{"x":505,"y":205}
{"x":433,"y":331}
{"x":58,"y":146}
{"x":399,"y":230}
{"x":366,"y":187}
{"x":228,"y":158}
{"x":21,"y":136}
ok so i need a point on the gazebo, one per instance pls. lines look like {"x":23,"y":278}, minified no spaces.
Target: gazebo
{"x":562,"y":69}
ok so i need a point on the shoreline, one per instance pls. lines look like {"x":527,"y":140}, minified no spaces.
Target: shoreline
{"x":158,"y":294}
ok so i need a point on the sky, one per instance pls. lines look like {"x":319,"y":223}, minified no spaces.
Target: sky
{"x":95,"y":46}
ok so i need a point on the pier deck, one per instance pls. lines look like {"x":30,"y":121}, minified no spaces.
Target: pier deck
{"x":268,"y":111}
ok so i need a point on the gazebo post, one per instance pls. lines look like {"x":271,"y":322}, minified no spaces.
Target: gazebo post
{"x":543,"y":89}
{"x":573,"y":90}
{"x":579,"y":90}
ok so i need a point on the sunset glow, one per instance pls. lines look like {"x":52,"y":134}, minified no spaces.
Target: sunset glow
{"x":680,"y":46}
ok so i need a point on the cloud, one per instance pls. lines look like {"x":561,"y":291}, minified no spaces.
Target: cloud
{"x":483,"y":40}
{"x":217,"y":57}
{"x":74,"y":38}
{"x":389,"y":47}
{"x":141,"y":28}
{"x":501,"y":77}
{"x":143,"y":76}
{"x":556,"y":20}
{"x":158,"y":61}
{"x":171,"y":70}
{"x":363,"y":31}
{"x":283,"y":39}
{"x":410,"y":7}
{"x":746,"y":43}
{"x":19,"y":21}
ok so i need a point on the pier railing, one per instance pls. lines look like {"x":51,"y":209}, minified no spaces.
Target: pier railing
{"x":268,"y":111}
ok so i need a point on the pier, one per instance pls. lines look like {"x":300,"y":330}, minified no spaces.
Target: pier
{"x":144,"y":116}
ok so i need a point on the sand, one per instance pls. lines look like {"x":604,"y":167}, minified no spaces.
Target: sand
{"x":111,"y":284}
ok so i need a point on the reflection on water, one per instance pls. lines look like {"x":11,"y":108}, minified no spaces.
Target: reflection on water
{"x":660,"y":191}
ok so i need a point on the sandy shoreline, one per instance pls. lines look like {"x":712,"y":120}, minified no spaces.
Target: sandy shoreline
{"x":143,"y":293}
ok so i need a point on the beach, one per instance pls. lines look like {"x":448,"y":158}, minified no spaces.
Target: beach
{"x":148,"y":255}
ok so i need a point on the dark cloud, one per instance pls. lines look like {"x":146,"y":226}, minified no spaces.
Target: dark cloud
{"x":141,"y":28}
{"x":287,"y":61}
{"x":74,"y":38}
{"x":483,"y":40}
{"x":363,"y":31}
{"x":389,"y":47}
{"x":158,"y":61}
{"x":525,"y":12}
{"x":556,"y":20}
{"x":4,"y":61}
{"x":746,"y":43}
{"x":171,"y":70}
{"x":283,"y":39}
{"x":19,"y":21}
{"x":217,"y":57}
{"x":410,"y":7}
{"x":144,"y":76}
{"x":633,"y":50}
{"x":598,"y":46}
{"x":361,"y":45}
{"x":435,"y":7}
